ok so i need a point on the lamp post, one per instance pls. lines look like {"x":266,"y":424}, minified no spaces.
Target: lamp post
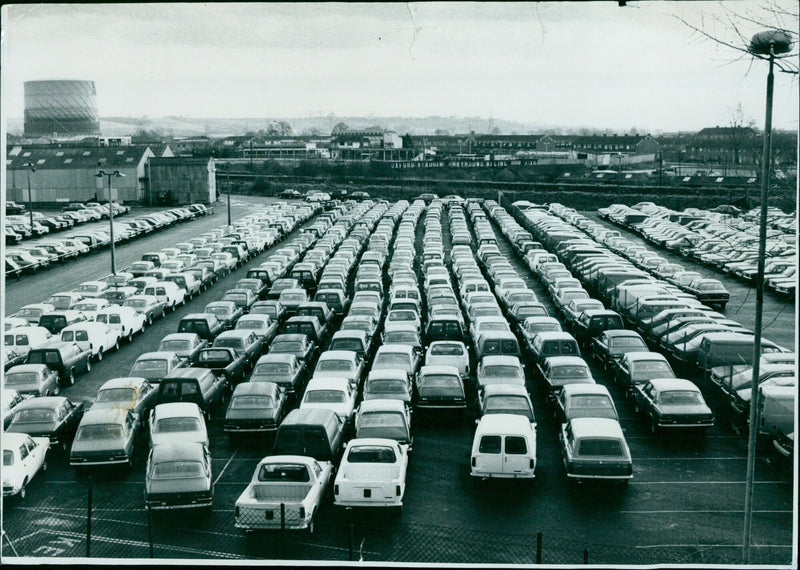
{"x":228,"y":188}
{"x":619,"y":171}
{"x":117,"y":174}
{"x":30,"y":168}
{"x":765,"y":45}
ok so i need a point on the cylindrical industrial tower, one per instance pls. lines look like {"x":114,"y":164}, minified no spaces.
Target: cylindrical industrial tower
{"x":60,"y":108}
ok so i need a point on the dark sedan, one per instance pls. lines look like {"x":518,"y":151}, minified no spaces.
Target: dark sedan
{"x":255,"y":407}
{"x":54,"y":417}
{"x":226,"y":312}
{"x":672,"y":403}
{"x":612,"y":344}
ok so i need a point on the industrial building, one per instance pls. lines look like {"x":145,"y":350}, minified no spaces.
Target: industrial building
{"x":68,"y":174}
{"x":181,"y":180}
{"x":60,"y":108}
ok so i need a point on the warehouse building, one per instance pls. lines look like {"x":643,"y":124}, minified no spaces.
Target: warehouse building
{"x":68,"y":174}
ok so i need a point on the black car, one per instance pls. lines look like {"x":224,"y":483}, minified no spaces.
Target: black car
{"x":54,"y":417}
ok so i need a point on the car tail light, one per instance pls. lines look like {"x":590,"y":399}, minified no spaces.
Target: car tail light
{"x":302,"y":512}
{"x":531,"y":464}
{"x":236,"y":512}
{"x":397,"y":490}
{"x":336,"y":489}
{"x":473,"y":462}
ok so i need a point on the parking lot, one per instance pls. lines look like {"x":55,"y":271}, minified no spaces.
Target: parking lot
{"x":685,"y":503}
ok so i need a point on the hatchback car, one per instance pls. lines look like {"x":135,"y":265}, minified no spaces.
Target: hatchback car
{"x":595,"y":449}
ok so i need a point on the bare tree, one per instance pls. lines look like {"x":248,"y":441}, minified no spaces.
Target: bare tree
{"x":735,"y":26}
{"x":740,"y":134}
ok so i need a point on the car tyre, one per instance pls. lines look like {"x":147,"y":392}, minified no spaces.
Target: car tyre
{"x":99,"y":355}
{"x":116,"y":345}
{"x":23,"y":491}
{"x":57,"y":389}
{"x":130,"y":335}
{"x":71,"y":377}
{"x":311,"y":523}
{"x":654,"y":426}
{"x":88,"y":366}
{"x":44,"y":466}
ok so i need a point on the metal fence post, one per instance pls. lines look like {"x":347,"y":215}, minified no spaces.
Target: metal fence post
{"x":585,"y":556}
{"x":350,"y":524}
{"x":89,"y":519}
{"x":150,"y":528}
{"x":538,"y":547}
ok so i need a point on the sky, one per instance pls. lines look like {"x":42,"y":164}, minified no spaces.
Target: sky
{"x":546,"y":64}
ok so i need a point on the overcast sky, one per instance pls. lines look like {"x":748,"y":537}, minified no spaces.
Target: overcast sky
{"x":544,"y":64}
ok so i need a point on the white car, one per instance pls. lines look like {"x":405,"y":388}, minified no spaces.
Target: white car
{"x":89,"y":335}
{"x":168,"y":292}
{"x":372,"y":474}
{"x":448,"y":353}
{"x":175,"y":422}
{"x":124,"y":320}
{"x":91,"y":289}
{"x":336,"y":394}
{"x":23,"y":457}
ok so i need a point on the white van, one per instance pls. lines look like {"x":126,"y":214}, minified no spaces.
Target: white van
{"x":22,"y":339}
{"x":504,"y":447}
{"x":91,"y":335}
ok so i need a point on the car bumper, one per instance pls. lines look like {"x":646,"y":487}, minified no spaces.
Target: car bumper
{"x":90,"y":461}
{"x":170,"y":501}
{"x":528,"y":474}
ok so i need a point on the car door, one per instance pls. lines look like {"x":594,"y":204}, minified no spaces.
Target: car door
{"x":490,"y":453}
{"x":516,"y":454}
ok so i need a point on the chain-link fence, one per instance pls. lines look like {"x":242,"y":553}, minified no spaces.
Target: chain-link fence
{"x":101,"y":527}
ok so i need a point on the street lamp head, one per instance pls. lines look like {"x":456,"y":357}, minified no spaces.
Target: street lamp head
{"x":770,"y":42}
{"x":118,"y":174}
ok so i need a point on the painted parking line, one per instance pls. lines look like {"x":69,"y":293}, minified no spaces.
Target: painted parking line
{"x":645,"y":546}
{"x":708,"y":482}
{"x":704,"y":512}
{"x":226,"y":466}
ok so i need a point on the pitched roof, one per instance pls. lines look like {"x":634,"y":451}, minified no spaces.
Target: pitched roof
{"x":75,"y":157}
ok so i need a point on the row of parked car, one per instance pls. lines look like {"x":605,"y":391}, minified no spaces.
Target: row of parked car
{"x":18,"y":219}
{"x":728,"y":244}
{"x":52,"y":250}
{"x":695,"y":338}
{"x":109,"y":435}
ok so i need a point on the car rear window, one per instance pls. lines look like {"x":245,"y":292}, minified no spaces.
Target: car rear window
{"x":601,"y":447}
{"x":516,"y":445}
{"x":489,"y":444}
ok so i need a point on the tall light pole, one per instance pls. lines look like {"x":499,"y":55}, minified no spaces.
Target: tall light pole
{"x":116,"y":174}
{"x":619,"y":172}
{"x":228,"y":188}
{"x":30,"y":168}
{"x":767,"y":45}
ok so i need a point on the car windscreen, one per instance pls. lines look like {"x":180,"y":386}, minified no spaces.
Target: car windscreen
{"x":680,"y":398}
{"x":569,"y":372}
{"x":175,"y":345}
{"x":284,"y":472}
{"x":177,"y":470}
{"x":251,"y":402}
{"x":21,"y":378}
{"x":34,"y":415}
{"x":501,"y":371}
{"x":116,"y":395}
{"x":149,"y":366}
{"x":371,"y":454}
{"x":99,"y":431}
{"x":177,"y":424}
{"x":601,"y":448}
{"x":324,"y":397}
{"x":447,"y":350}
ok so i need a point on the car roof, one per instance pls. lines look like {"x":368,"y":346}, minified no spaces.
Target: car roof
{"x":383,"y":405}
{"x":394,"y":347}
{"x":554,"y":335}
{"x":388,"y":375}
{"x":565,"y":361}
{"x":177,"y":451}
{"x":596,"y":427}
{"x":180,"y":336}
{"x":439,"y":369}
{"x":644,"y":355}
{"x":500,"y":359}
{"x":104,"y":416}
{"x":156,"y":354}
{"x":575,"y":389}
{"x":123,"y":382}
{"x":255,"y":388}
{"x":177,"y":409}
{"x":505,"y":390}
{"x":42,"y":402}
{"x":503,"y":423}
{"x":235,"y":333}
{"x":12,"y":440}
{"x":277,"y":357}
{"x":674,"y":384}
{"x":337,"y":355}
